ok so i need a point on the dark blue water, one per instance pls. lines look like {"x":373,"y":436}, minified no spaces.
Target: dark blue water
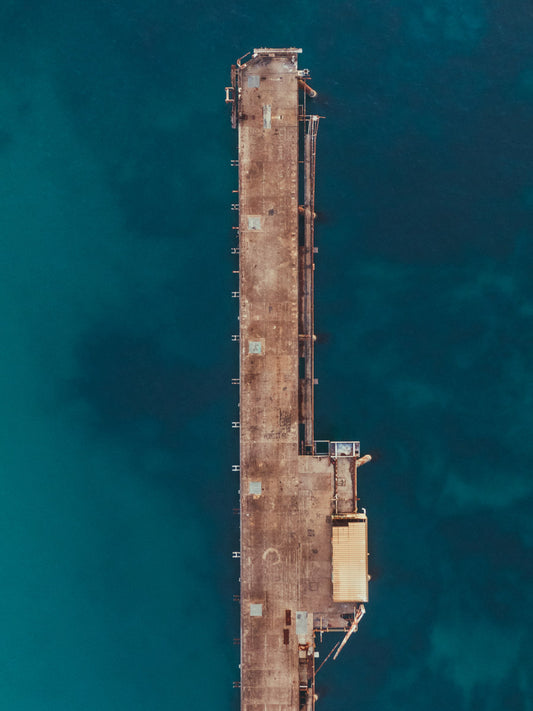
{"x":116,"y":485}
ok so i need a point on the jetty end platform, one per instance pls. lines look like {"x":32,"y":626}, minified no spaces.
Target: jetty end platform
{"x":303,"y":540}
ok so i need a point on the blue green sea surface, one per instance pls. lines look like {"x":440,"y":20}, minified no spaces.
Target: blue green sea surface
{"x":116,"y":488}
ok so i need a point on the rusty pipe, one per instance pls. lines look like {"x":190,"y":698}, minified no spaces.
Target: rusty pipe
{"x":301,"y":210}
{"x":308,"y":90}
{"x":363,"y":460}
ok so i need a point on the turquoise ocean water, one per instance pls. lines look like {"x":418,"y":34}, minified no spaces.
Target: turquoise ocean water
{"x":116,"y":487}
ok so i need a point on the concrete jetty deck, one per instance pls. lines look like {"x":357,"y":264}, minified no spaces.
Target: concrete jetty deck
{"x":293,"y":492}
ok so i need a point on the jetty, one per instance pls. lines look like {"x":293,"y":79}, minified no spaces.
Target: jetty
{"x":303,"y":539}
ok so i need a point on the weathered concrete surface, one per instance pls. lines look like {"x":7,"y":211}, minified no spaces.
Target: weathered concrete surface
{"x":286,"y":528}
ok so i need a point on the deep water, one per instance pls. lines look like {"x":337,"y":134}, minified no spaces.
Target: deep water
{"x":116,"y":484}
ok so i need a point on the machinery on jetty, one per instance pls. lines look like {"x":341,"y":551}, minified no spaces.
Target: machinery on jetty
{"x":303,"y":543}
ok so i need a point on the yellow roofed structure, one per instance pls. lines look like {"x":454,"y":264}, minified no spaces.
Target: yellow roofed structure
{"x":350,"y":558}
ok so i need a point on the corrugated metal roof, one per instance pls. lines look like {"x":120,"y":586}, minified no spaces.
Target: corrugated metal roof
{"x":350,"y":560}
